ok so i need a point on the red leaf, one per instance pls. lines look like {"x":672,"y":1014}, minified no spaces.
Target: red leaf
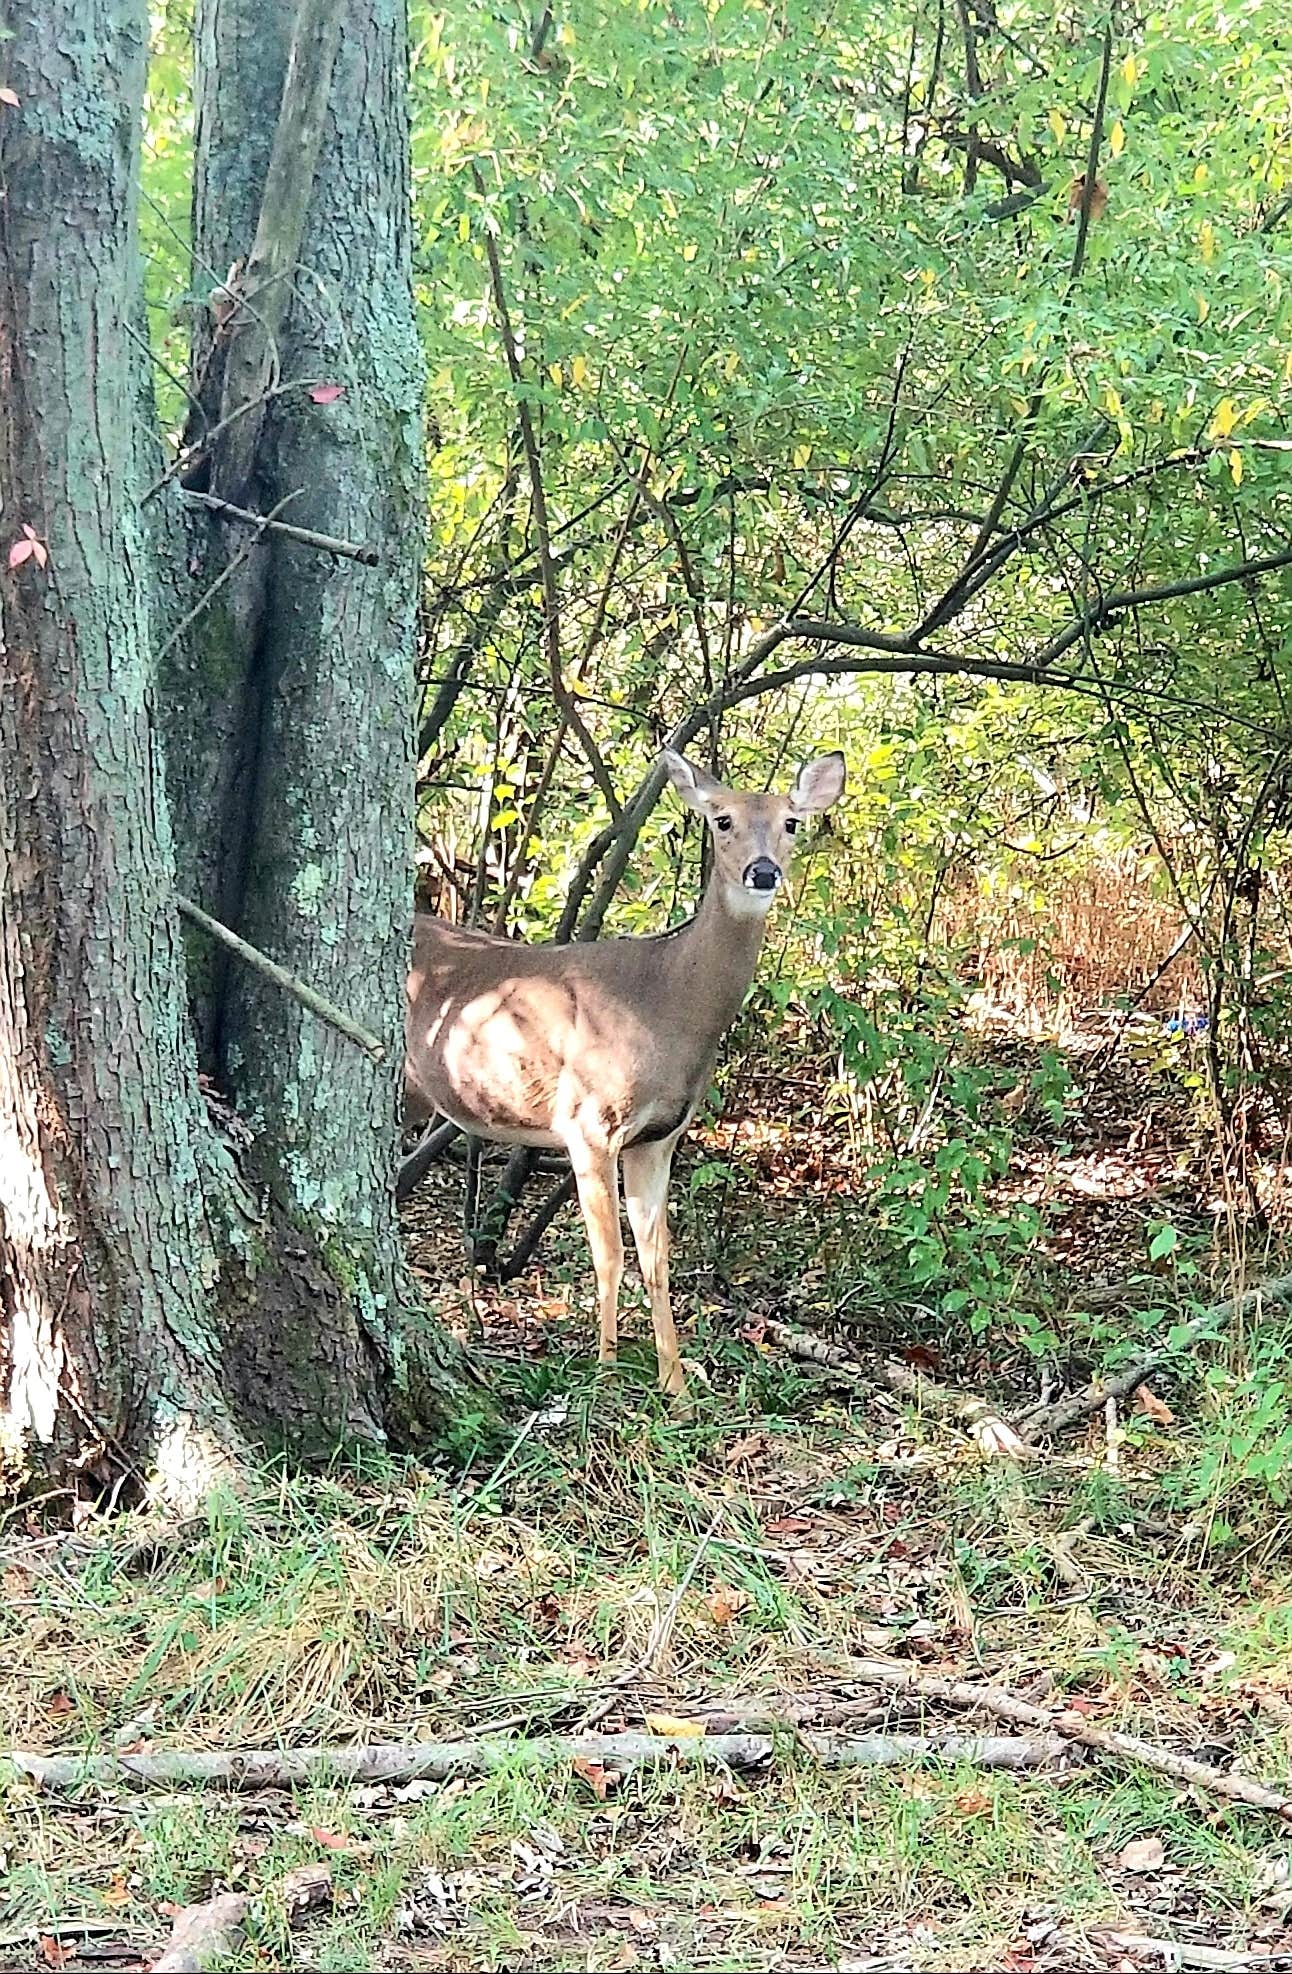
{"x":20,"y":552}
{"x":329,"y":1839}
{"x":327,"y":393}
{"x":53,"y":1952}
{"x":598,"y":1778}
{"x":10,"y":97}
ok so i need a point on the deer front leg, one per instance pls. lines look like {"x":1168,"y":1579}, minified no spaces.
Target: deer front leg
{"x":596,"y":1174}
{"x":646,"y":1176}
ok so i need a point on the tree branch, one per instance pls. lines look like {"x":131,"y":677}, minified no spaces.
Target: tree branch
{"x":260,"y":962}
{"x":309,"y":537}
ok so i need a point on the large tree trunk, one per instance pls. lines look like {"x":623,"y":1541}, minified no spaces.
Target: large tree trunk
{"x":306,"y":795}
{"x":107,"y":1260}
{"x":153,"y":1305}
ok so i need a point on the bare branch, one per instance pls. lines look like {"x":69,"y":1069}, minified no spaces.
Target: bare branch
{"x":260,"y":962}
{"x":309,"y":537}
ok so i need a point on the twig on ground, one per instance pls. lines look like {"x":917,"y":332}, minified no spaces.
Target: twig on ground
{"x":307,"y":996}
{"x":660,"y":1633}
{"x":441,"y":1761}
{"x":989,"y":1432}
{"x":995,"y":1700}
{"x":1180,"y":1954}
{"x":203,"y":1934}
{"x":1052,"y":1418}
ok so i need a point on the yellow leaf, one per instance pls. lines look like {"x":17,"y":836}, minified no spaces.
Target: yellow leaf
{"x":1112,"y":401}
{"x":1253,"y":411}
{"x":1207,"y":240}
{"x":1204,"y":310}
{"x":565,"y":35}
{"x":1224,"y":419}
{"x":556,"y":374}
{"x":690,"y":250}
{"x":1020,"y":407}
{"x":731,"y":366}
{"x":1236,"y":466}
{"x":1200,"y":174}
{"x":1117,"y":138}
{"x":1130,"y":71}
{"x":464,"y":226}
{"x":1059,"y":125}
{"x":802,"y":454}
{"x":579,"y":370}
{"x":674,"y":1727}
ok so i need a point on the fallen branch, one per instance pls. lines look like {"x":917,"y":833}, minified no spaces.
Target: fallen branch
{"x":1003,"y":1705}
{"x":989,"y":1432}
{"x":1176,"y":1955}
{"x":1053,"y":1417}
{"x":203,"y":1934}
{"x":307,"y":996}
{"x":442,"y":1761}
{"x":309,"y":537}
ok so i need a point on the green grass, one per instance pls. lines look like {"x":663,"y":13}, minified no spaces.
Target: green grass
{"x":413,"y":1602}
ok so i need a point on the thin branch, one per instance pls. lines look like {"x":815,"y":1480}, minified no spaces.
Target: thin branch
{"x":1052,"y":1418}
{"x":263,"y":523}
{"x":1091,"y":180}
{"x":260,"y":963}
{"x":1003,"y":1705}
{"x":542,"y":533}
{"x":310,"y":537}
{"x":1116,"y":601}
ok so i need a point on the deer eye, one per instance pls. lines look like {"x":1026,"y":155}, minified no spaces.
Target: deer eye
{"x":723,"y":823}
{"x":791,"y":824}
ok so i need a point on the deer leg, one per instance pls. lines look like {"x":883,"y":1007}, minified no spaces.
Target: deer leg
{"x":596,"y":1175}
{"x":646,"y":1176}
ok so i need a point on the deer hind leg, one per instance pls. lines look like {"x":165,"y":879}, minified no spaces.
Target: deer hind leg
{"x":596,"y":1174}
{"x":646,"y":1175}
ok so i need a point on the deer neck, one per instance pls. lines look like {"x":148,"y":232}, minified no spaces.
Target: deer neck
{"x":714,"y":959}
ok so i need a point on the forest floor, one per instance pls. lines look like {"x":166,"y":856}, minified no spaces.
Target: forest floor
{"x":603,"y":1564}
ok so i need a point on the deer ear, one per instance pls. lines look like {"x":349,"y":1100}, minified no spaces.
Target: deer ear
{"x":696,"y":787}
{"x":819,"y":783}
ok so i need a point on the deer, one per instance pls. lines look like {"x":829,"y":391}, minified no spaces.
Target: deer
{"x":605,"y":1049}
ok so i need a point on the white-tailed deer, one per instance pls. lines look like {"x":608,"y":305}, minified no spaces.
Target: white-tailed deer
{"x":605,"y":1049}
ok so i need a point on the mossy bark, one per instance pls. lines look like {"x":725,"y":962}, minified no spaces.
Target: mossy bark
{"x":172,"y":1290}
{"x":108,"y":1261}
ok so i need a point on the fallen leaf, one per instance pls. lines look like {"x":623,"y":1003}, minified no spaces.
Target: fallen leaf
{"x":1153,"y":1407}
{"x":725,"y":1604}
{"x":327,"y":393}
{"x":972,"y":1802}
{"x":11,"y":97}
{"x":329,"y":1839}
{"x":53,"y":1952}
{"x":675,"y":1727}
{"x":60,"y":1703}
{"x":1143,"y":1854}
{"x":116,"y":1892}
{"x":790,"y":1525}
{"x":600,"y":1780}
{"x":548,"y":1607}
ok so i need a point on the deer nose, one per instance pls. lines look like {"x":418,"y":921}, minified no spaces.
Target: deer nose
{"x":762,"y":874}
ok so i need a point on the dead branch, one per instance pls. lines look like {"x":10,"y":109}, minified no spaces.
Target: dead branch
{"x":1003,"y":1705}
{"x":1179,"y":1954}
{"x":986,"y":1428}
{"x":265,"y":289}
{"x":441,"y":1761}
{"x":309,"y":537}
{"x":261,"y":963}
{"x":1052,"y":1418}
{"x":203,"y":1934}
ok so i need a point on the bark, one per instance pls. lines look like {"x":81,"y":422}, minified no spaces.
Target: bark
{"x":298,"y":806}
{"x":107,"y":1257}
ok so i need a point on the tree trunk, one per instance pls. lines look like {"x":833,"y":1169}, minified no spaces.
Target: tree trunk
{"x":310,"y":802}
{"x":107,"y":1258}
{"x":153,"y":1308}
